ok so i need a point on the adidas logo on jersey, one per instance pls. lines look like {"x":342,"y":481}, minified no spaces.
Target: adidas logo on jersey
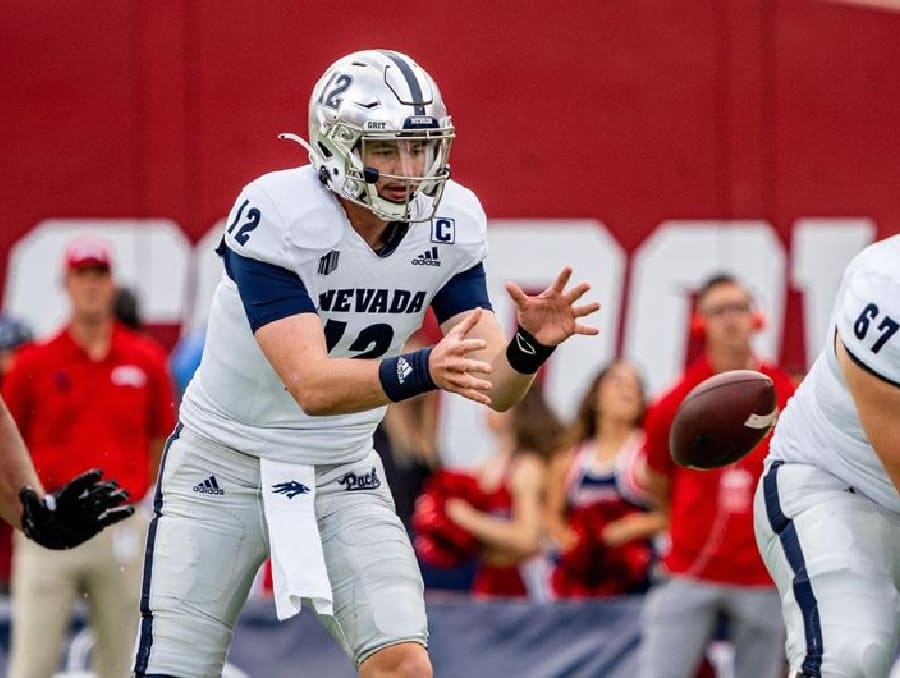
{"x":427,"y":258}
{"x":209,"y":486}
{"x":404,"y":369}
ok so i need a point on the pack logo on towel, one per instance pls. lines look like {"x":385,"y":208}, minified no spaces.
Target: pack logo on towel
{"x":364,"y":481}
{"x":290,"y":489}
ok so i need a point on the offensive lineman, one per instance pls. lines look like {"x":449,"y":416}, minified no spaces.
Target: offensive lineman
{"x":827,"y":511}
{"x":328,"y":270}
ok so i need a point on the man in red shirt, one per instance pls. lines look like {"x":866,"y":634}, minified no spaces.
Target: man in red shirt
{"x":94,"y":395}
{"x":712,"y":562}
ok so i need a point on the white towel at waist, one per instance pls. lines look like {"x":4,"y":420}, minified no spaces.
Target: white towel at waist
{"x":298,"y":564}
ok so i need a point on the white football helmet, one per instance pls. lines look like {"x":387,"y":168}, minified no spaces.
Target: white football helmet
{"x":385,"y":97}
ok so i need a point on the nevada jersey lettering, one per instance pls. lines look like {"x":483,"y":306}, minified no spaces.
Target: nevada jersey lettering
{"x":820,"y":426}
{"x":369,"y":305}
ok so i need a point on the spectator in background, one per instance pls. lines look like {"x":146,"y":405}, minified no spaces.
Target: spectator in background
{"x":13,"y":335}
{"x":96,"y":394}
{"x":712,"y":562}
{"x":604,"y":472}
{"x":513,"y":481}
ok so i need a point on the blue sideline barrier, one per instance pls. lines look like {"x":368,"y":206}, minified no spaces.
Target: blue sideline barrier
{"x":470,"y":639}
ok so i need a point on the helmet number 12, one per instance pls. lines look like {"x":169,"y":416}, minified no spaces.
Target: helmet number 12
{"x":337,"y":84}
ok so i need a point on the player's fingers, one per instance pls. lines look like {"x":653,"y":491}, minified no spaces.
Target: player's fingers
{"x":79,"y":484}
{"x":562,"y":280}
{"x":469,"y":365}
{"x":576,"y":292}
{"x":102,"y":501}
{"x":102,"y":491}
{"x":464,"y":380}
{"x":30,"y":499}
{"x":464,"y":327}
{"x":516,"y":294}
{"x":105,"y":486}
{"x":587,"y":309}
{"x":475,"y":396}
{"x":478,"y":366}
{"x":113,"y":516}
{"x":469,"y":345}
{"x":585,"y":329}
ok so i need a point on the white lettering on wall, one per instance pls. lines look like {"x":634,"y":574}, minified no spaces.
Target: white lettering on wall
{"x":672,"y":263}
{"x":822,"y":248}
{"x":175,"y":283}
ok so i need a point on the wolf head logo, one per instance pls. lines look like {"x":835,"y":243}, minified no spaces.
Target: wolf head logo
{"x":291,"y":489}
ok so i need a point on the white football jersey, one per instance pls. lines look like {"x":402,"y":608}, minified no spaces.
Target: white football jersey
{"x":820,"y":425}
{"x":369,"y":305}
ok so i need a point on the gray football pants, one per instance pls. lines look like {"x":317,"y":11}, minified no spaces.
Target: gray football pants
{"x":208,"y":539}
{"x":679,"y":619}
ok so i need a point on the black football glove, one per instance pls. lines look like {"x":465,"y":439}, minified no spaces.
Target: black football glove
{"x":74,"y":514}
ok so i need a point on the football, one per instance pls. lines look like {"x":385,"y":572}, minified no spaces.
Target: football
{"x":722,"y":419}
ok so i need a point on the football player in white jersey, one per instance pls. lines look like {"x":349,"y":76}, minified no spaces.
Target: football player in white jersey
{"x":329,"y":268}
{"x":827,"y":510}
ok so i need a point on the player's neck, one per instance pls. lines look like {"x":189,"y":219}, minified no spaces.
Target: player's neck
{"x":370,"y":227}
{"x":93,"y":335}
{"x":724,"y":360}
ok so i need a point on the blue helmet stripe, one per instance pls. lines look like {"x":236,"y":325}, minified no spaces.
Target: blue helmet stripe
{"x":415,"y":90}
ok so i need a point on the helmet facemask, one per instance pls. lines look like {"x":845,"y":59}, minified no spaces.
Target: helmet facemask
{"x":410,"y":166}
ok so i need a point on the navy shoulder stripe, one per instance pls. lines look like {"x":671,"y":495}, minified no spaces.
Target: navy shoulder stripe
{"x":268,"y":292}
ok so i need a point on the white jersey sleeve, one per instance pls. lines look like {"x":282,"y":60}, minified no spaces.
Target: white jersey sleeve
{"x":868,"y":320}
{"x":256,"y":228}
{"x":467,"y":229}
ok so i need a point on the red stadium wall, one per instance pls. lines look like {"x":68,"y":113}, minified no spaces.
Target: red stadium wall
{"x":631,"y":114}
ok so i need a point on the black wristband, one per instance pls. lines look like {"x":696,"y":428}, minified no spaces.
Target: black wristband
{"x":406,"y":375}
{"x":525,"y":354}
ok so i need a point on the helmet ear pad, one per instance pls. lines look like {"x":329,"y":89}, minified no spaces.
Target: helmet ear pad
{"x":697,"y":326}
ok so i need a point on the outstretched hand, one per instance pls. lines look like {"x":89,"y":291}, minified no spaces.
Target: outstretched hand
{"x":551,"y":317}
{"x":453,"y":370}
{"x":75,"y":513}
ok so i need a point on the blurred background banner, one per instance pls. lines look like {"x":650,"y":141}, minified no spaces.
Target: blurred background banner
{"x":468,"y":638}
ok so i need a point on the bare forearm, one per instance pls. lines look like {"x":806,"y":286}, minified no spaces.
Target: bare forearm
{"x":17,"y":469}
{"x":509,"y":386}
{"x":338,"y":386}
